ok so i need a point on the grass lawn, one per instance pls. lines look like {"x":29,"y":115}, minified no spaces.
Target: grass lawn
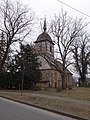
{"x":59,"y":105}
{"x":82,"y":93}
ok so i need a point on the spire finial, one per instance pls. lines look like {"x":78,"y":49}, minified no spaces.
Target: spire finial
{"x":44,"y":27}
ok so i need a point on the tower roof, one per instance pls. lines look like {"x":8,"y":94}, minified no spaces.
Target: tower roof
{"x":44,"y":36}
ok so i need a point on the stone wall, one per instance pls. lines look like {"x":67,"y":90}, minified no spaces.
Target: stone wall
{"x":53,"y":77}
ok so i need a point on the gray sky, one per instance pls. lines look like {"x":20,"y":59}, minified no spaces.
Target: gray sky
{"x":48,"y":8}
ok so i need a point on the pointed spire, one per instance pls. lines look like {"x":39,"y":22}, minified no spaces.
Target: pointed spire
{"x":44,"y":26}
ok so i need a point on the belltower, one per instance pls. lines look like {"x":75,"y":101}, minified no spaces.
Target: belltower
{"x":44,"y":44}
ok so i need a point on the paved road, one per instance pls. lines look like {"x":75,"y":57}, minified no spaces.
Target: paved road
{"x":10,"y":110}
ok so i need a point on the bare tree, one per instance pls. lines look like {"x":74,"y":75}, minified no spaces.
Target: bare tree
{"x":81,"y":51}
{"x":15,"y":24}
{"x":2,"y":46}
{"x":65,"y":30}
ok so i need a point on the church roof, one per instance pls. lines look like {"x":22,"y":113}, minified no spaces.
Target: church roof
{"x":44,"y":37}
{"x":60,"y":65}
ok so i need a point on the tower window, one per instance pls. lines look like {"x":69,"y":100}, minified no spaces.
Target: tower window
{"x":40,"y":63}
{"x":50,"y":48}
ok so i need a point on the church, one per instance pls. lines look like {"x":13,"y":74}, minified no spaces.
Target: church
{"x":50,"y":75}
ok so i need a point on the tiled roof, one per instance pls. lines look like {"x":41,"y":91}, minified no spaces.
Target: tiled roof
{"x":44,"y":37}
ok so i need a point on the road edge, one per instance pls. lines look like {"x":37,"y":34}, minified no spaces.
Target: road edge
{"x":47,"y":109}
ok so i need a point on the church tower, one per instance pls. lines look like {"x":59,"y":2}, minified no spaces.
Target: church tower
{"x":44,"y":44}
{"x":50,"y":75}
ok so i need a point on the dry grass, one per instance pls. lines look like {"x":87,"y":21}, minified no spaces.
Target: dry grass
{"x":77,"y":93}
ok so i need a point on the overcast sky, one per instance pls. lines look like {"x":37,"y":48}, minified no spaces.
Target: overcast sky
{"x":48,"y":8}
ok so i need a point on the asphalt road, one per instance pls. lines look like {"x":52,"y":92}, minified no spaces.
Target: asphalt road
{"x":10,"y":110}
